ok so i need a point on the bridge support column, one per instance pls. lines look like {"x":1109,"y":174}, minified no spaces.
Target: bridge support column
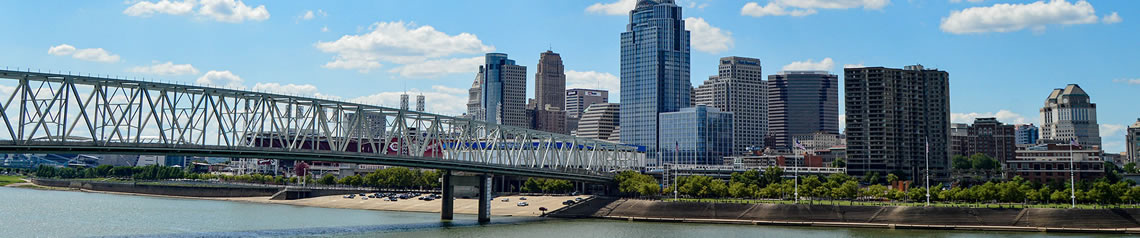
{"x":448,"y":190}
{"x":485,"y":184}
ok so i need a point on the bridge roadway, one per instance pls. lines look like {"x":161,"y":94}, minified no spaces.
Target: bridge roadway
{"x":75,"y":114}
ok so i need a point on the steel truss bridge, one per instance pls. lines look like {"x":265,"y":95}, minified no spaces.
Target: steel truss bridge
{"x":62,"y":113}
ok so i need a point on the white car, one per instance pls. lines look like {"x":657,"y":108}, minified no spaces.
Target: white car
{"x":523,"y":204}
{"x":506,"y":200}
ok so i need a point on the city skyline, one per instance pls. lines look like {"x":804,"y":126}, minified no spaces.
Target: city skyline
{"x":184,"y":46}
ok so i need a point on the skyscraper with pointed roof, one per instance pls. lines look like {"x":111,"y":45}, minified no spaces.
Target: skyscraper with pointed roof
{"x":1069,"y":114}
{"x":654,"y":71}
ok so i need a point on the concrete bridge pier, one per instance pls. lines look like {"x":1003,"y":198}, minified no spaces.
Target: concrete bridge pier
{"x":448,"y":190}
{"x":485,"y":183}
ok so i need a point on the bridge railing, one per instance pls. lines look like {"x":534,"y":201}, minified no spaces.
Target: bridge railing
{"x":71,"y":110}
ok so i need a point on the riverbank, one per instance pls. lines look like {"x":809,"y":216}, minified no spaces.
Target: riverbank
{"x":499,"y":207}
{"x":1118,"y":221}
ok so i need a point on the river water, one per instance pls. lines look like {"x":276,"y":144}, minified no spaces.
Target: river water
{"x":41,"y":213}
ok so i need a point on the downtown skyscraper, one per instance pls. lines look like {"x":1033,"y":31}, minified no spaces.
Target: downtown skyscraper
{"x":801,"y":103}
{"x":654,"y":71}
{"x":503,"y":91}
{"x":1069,"y":114}
{"x":739,"y":88}
{"x":549,"y":92}
{"x":891,"y":116}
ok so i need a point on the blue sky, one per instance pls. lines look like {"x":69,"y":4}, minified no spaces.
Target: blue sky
{"x":1004,"y":57}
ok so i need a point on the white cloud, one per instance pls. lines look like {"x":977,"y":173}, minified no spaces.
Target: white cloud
{"x":1112,"y":18}
{"x":594,"y":80}
{"x":806,"y":7}
{"x":859,"y":65}
{"x":308,"y":90}
{"x":310,"y":14}
{"x":697,"y":4}
{"x":620,"y":7}
{"x":325,"y":29}
{"x":708,"y":38}
{"x":1127,"y":81}
{"x":90,"y":54}
{"x":147,"y":9}
{"x":772,"y":9}
{"x":1015,"y":17}
{"x":440,"y":99}
{"x":972,"y":1}
{"x":1004,"y":116}
{"x":826,"y":65}
{"x":1110,"y":130}
{"x":232,"y":11}
{"x":400,"y":43}
{"x":435,"y":68}
{"x":168,"y":68}
{"x":221,"y":79}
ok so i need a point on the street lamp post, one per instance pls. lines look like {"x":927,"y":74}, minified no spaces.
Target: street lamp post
{"x":1072,"y":174}
{"x":927,"y":171}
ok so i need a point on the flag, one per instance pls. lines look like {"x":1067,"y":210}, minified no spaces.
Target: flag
{"x":1073,"y":142}
{"x":800,"y":146}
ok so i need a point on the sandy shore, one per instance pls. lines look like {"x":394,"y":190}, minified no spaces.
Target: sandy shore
{"x":462,"y":206}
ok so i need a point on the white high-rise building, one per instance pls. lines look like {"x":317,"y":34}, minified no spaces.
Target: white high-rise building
{"x":739,"y":87}
{"x":1070,"y":114}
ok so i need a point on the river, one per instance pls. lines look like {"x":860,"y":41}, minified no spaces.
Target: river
{"x":43,"y":213}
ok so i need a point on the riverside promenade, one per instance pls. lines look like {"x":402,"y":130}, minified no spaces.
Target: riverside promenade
{"x":1118,"y":221}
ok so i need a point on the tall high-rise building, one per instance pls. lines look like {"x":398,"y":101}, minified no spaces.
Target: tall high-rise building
{"x":600,"y":121}
{"x":738,"y":87}
{"x":577,"y":100}
{"x":654,"y":71}
{"x":696,"y":135}
{"x":549,"y":91}
{"x":801,"y":103}
{"x":475,"y":98}
{"x":1026,"y":134}
{"x":891,"y":115}
{"x":1132,"y":139}
{"x":986,"y":136}
{"x":503,"y":91}
{"x":1069,"y":114}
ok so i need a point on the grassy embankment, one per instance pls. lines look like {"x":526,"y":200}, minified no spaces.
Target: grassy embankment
{"x":909,"y":204}
{"x":8,"y":179}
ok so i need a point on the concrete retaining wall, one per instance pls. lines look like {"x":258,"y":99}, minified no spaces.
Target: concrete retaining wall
{"x":169,"y":190}
{"x":950,"y":218}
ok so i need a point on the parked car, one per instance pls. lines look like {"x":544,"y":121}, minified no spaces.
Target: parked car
{"x":522,"y":198}
{"x":429,"y":199}
{"x":506,"y":199}
{"x":578,"y":199}
{"x":350,"y":196}
{"x":392,"y":199}
{"x":568,"y":202}
{"x":523,"y":204}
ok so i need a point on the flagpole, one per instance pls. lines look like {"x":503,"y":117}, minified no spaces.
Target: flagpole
{"x":796,"y":180}
{"x":927,"y":171}
{"x":1072,"y":174}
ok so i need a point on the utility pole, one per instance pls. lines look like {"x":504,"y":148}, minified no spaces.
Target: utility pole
{"x":928,"y":171}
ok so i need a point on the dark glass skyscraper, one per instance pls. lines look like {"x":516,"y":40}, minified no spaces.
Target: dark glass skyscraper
{"x":503,"y":91}
{"x":654,"y":71}
{"x":801,"y":103}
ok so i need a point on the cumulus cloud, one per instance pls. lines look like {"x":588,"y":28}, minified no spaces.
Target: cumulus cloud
{"x":859,"y":65}
{"x":594,"y":80}
{"x":309,"y":15}
{"x":168,"y":69}
{"x":435,"y":68}
{"x":1004,"y":116}
{"x":708,"y":38}
{"x":400,"y":43}
{"x":1127,"y":81}
{"x":1015,"y":17}
{"x":221,"y":79}
{"x":308,"y":90}
{"x":972,"y":1}
{"x":232,"y":11}
{"x":1112,"y":18}
{"x":806,"y":7}
{"x":825,"y":65}
{"x":620,"y":7}
{"x":147,"y":9}
{"x":90,"y":54}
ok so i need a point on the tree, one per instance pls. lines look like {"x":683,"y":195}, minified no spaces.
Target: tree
{"x":960,"y":162}
{"x":738,"y":190}
{"x":773,"y":175}
{"x":634,"y":182}
{"x":892,"y":178}
{"x":848,"y":190}
{"x":328,"y":179}
{"x":1130,"y":168}
{"x":839,"y":163}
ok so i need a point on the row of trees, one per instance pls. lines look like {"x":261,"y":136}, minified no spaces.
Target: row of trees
{"x":394,"y":177}
{"x":542,"y":185}
{"x":976,"y":162}
{"x":770,"y":185}
{"x":152,"y":172}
